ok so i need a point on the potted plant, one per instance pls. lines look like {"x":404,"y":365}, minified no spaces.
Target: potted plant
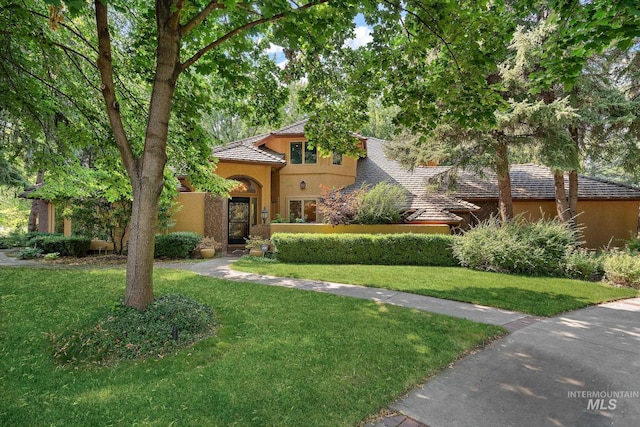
{"x":257,"y":245}
{"x":207,"y":247}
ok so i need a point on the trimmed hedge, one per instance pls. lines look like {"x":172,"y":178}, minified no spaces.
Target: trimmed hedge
{"x":382,"y":249}
{"x":75,"y":246}
{"x":176,"y":245}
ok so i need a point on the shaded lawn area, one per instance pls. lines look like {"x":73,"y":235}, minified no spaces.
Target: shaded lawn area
{"x":540,"y":296}
{"x":280,"y":357}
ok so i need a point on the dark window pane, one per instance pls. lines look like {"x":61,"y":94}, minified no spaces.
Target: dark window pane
{"x":337,"y":159}
{"x":310,"y":211}
{"x":295,"y":208}
{"x":310,"y":155}
{"x":295,"y":155}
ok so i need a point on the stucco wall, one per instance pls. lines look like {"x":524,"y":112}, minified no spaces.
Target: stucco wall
{"x":604,"y":222}
{"x":321,"y":173}
{"x":358,"y":228}
{"x":259,"y":173}
{"x":190,"y":217}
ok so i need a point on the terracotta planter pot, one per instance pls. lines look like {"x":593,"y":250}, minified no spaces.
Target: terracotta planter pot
{"x":255,"y":252}
{"x":207,"y":253}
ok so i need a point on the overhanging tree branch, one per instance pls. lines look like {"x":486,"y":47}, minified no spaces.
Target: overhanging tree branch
{"x":189,"y":62}
{"x":201,"y":16}
{"x":108,"y":89}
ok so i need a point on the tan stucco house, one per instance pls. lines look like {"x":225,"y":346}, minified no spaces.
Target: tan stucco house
{"x":281,"y":177}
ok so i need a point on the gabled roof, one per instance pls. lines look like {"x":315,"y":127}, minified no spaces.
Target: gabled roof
{"x":534,"y":182}
{"x":294,"y":129}
{"x":245,"y":151}
{"x":425,"y":206}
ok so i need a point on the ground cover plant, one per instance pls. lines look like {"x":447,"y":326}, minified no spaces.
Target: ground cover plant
{"x":117,"y":333}
{"x":542,"y":296}
{"x":279,"y":356}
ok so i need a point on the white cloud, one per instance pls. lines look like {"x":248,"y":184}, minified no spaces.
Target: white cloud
{"x":283,"y":63}
{"x":274,"y":49}
{"x":362,"y":37}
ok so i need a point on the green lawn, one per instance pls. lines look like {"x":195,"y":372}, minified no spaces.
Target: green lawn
{"x":281,"y":357}
{"x":541,"y":296}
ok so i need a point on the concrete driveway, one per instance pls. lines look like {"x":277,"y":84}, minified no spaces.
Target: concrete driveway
{"x":580,"y":369}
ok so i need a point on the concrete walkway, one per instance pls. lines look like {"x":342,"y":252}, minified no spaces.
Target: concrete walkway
{"x":578,"y":369}
{"x":219,"y":267}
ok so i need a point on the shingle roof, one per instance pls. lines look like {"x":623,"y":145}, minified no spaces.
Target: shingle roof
{"x":425,"y":206}
{"x":294,"y":129}
{"x":535,"y":182}
{"x":245,"y":151}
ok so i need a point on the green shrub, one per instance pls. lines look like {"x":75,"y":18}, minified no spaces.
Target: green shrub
{"x":18,"y":239}
{"x":520,"y":247}
{"x":29,"y":253}
{"x":632,"y":244}
{"x":584,"y":265}
{"x":383,"y":249}
{"x":622,"y":268}
{"x":381,"y":205}
{"x":51,"y":256}
{"x":122,"y":333}
{"x":176,"y":245}
{"x":75,"y":246}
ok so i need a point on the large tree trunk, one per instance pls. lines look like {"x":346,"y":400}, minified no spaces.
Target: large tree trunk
{"x":562,"y":205}
{"x":36,"y":207}
{"x":147,"y":172}
{"x":573,"y":194}
{"x":505,"y":202}
{"x":573,"y":176}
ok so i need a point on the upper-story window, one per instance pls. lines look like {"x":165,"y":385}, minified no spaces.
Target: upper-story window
{"x":336,"y":159}
{"x":300,"y":154}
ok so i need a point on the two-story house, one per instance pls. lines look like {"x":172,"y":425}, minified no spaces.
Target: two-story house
{"x":281,"y":177}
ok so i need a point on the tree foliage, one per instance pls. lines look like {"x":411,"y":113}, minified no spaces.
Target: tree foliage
{"x":177,"y":57}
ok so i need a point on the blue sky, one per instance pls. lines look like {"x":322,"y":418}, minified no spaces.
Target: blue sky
{"x":362,"y":36}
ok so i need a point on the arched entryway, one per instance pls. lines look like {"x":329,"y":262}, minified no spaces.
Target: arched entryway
{"x":243,"y":212}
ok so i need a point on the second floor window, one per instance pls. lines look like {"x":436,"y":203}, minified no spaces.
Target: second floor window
{"x":300,"y":154}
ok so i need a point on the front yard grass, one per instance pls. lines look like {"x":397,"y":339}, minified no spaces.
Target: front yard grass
{"x":540,"y":296}
{"x":281,"y":357}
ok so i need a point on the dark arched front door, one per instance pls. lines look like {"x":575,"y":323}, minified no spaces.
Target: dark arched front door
{"x":239,"y":217}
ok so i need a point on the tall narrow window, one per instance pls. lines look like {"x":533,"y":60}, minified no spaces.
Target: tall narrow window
{"x":295,"y":153}
{"x":309,"y":211}
{"x":295,"y":209}
{"x":336,"y":159}
{"x":310,"y":156}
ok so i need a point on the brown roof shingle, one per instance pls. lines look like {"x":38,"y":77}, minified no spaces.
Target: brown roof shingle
{"x":245,"y":151}
{"x":425,"y":206}
{"x":535,"y":182}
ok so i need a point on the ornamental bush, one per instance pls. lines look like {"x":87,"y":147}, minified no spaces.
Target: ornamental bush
{"x":584,"y":265}
{"x":382,"y":249}
{"x":622,"y":268}
{"x":382,"y":204}
{"x":75,"y":246}
{"x":176,"y":245}
{"x":519,"y":246}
